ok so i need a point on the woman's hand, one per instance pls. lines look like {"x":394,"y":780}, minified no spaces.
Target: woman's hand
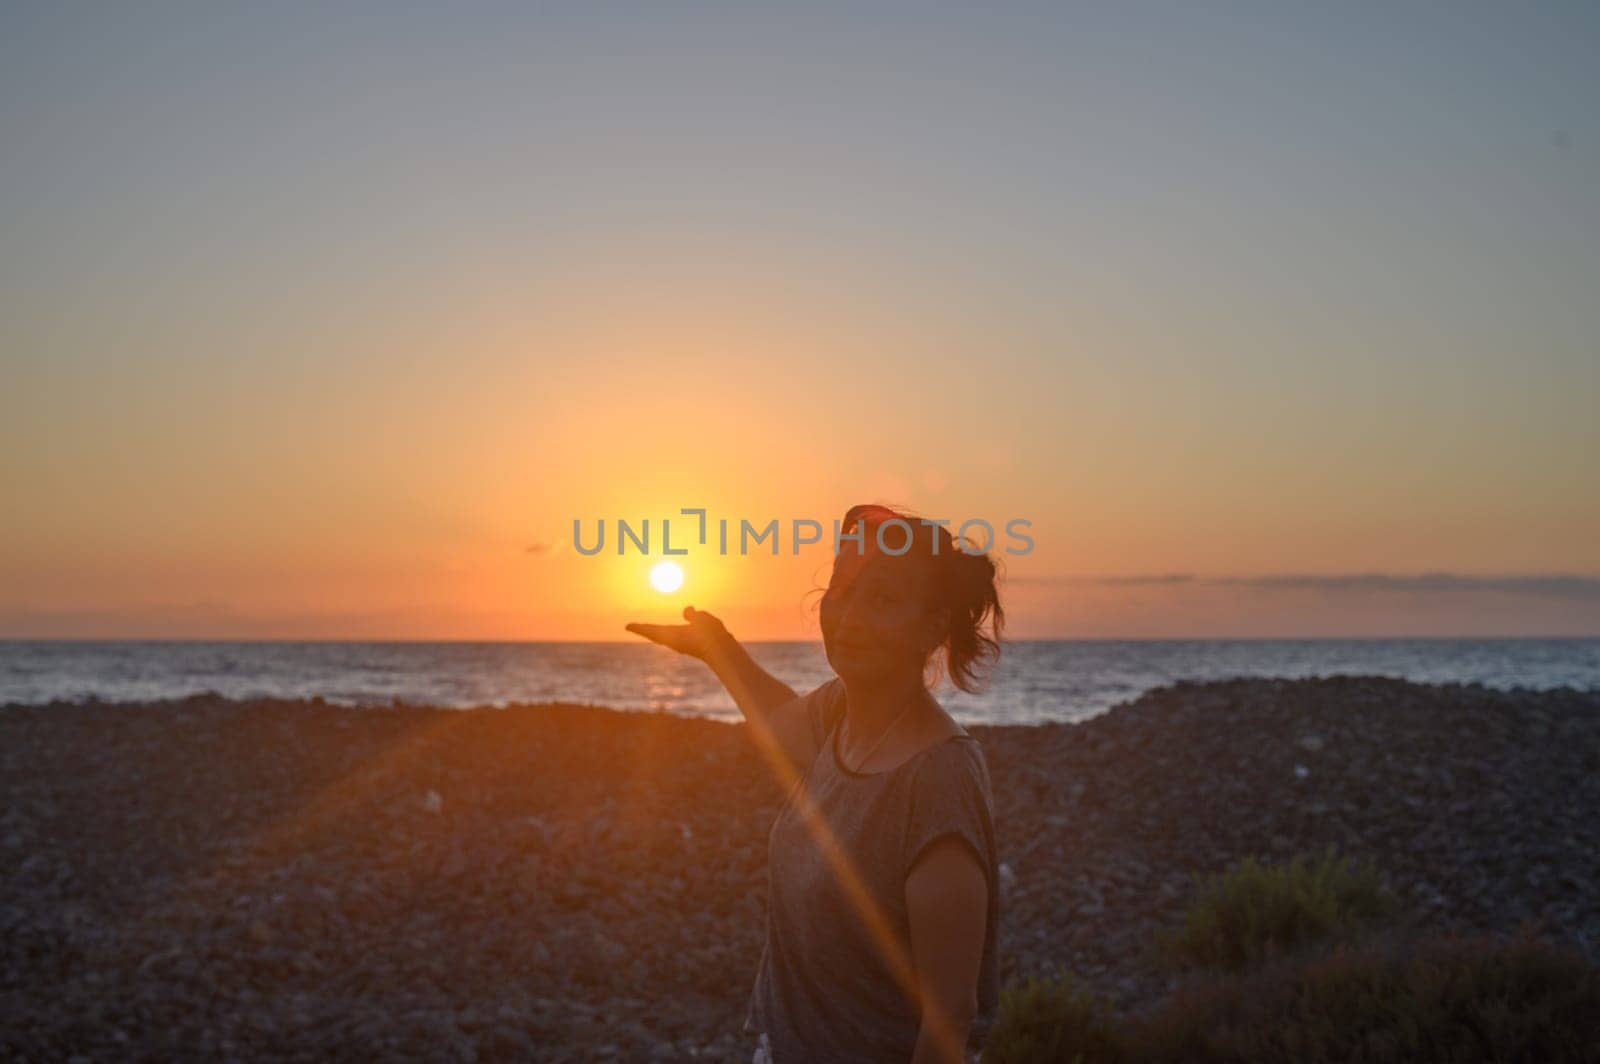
{"x":703,"y":635}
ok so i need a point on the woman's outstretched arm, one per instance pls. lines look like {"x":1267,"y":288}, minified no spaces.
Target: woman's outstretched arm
{"x":755,"y":690}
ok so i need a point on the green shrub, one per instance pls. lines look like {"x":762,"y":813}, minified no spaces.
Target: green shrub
{"x":1447,"y":1000}
{"x":1051,"y":1021}
{"x":1254,"y":912}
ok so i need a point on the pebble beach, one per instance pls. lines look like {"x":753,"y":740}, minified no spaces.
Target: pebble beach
{"x":293,"y":880}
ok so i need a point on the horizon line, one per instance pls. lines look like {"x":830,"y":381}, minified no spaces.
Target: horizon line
{"x":786,"y":642}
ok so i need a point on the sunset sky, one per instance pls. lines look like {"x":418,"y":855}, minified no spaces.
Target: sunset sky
{"x":328,"y":323}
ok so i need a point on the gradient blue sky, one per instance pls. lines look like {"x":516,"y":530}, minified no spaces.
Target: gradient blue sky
{"x":1273,"y":320}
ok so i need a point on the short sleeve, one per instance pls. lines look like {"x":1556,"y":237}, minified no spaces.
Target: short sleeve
{"x":951,"y":795}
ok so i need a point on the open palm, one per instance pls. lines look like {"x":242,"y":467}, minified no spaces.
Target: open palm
{"x":698,"y":638}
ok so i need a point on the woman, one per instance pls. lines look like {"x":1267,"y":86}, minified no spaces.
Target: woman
{"x":883,"y":904}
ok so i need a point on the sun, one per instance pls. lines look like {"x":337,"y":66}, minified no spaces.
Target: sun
{"x":666,"y":577}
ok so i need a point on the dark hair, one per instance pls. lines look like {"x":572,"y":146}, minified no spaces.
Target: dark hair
{"x":960,"y":579}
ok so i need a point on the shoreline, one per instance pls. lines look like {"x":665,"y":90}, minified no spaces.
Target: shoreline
{"x":569,"y":881}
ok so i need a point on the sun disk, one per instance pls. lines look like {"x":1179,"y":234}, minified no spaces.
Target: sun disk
{"x":666,"y":577}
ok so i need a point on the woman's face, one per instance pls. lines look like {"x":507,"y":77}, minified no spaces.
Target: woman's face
{"x":875,"y":619}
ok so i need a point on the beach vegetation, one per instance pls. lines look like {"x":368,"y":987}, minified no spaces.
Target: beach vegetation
{"x":1445,"y":999}
{"x":1256,"y":911}
{"x":1053,"y":1019}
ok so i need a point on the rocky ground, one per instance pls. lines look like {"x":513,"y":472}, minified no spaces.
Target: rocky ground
{"x":277,"y":880}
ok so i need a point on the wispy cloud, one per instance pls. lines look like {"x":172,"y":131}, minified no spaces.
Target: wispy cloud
{"x":222,"y":620}
{"x":1547,"y":585}
{"x":1137,"y":578}
{"x":1573,"y":586}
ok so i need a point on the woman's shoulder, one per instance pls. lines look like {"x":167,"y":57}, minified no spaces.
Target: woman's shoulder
{"x":830,"y":698}
{"x":959,"y":755}
{"x":824,"y":708}
{"x":953,"y":736}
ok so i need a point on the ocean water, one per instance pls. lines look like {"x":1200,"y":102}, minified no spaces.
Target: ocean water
{"x":1037,"y":681}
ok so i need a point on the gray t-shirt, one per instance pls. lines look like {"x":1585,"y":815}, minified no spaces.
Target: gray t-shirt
{"x":825,"y":991}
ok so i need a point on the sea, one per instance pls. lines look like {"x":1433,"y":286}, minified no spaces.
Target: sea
{"x":1037,"y":681}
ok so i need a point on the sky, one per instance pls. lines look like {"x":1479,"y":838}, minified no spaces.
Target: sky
{"x":329,"y":324}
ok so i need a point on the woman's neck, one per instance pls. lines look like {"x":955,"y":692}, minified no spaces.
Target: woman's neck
{"x":873,"y":704}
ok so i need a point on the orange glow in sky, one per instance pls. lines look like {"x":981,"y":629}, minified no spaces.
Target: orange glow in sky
{"x":313,"y":349}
